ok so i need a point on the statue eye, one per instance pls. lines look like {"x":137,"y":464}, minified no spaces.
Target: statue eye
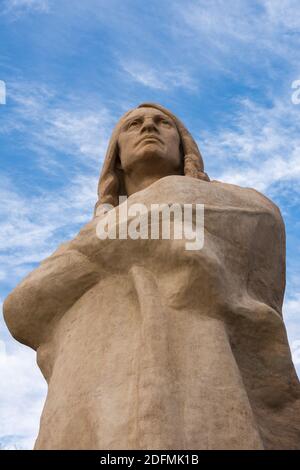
{"x":165,"y":122}
{"x":133,"y":124}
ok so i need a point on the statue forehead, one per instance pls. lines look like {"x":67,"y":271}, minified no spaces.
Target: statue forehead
{"x":146,"y":111}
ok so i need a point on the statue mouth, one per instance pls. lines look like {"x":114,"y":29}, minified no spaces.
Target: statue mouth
{"x":149,"y":138}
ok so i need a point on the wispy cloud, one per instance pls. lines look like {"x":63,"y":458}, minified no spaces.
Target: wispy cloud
{"x":260,"y":149}
{"x":47,"y":121}
{"x":2,"y":92}
{"x":20,"y":402}
{"x":234,"y":37}
{"x":291,"y":313}
{"x":283,"y":13}
{"x":31,"y":226}
{"x":17,"y":7}
{"x":158,"y":78}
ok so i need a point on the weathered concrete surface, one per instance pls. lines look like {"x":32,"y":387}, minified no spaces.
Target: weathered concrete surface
{"x":145,"y":345}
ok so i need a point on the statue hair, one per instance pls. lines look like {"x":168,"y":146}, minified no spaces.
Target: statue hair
{"x":111,"y":184}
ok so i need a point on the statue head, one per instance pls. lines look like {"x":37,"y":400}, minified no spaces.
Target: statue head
{"x":147,"y":140}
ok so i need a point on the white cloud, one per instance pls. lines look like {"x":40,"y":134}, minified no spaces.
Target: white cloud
{"x":292,"y":307}
{"x":160,"y":78}
{"x":22,"y":394}
{"x":291,"y":313}
{"x":18,"y":7}
{"x":260,"y":149}
{"x":31,"y":227}
{"x":283,"y":13}
{"x":78,"y":127}
{"x":2,"y":92}
{"x":235,"y":36}
{"x":83,"y":132}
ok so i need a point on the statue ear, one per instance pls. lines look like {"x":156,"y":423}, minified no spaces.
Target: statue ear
{"x":120,"y":176}
{"x":118,"y":165}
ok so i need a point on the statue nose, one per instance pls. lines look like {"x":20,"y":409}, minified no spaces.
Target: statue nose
{"x":149,"y":125}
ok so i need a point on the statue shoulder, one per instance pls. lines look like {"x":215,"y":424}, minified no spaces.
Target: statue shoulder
{"x":216,"y":194}
{"x":251,"y":197}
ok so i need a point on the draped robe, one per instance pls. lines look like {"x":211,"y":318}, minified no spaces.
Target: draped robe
{"x":146,"y":345}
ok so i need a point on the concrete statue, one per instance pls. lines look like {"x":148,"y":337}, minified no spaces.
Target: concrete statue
{"x":147,"y":345}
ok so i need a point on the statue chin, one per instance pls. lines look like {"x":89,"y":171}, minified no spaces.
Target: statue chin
{"x":149,"y":160}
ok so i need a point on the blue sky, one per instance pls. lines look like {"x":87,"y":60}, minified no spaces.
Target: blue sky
{"x":72,"y":67}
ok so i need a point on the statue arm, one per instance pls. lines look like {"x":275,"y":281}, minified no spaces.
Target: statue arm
{"x":267,"y":268}
{"x":34,"y":306}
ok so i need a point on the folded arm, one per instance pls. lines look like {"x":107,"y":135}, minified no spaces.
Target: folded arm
{"x":33,"y":307}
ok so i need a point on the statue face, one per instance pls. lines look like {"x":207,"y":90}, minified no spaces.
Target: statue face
{"x":149,"y":139}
